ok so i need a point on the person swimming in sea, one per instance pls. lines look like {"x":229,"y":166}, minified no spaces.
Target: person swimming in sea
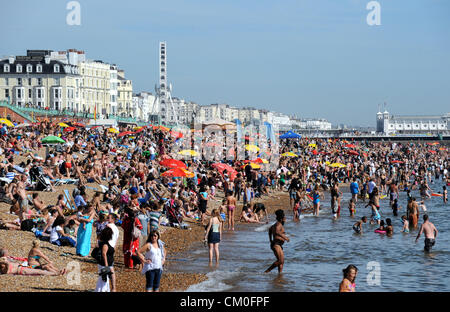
{"x":357,"y":227}
{"x":405,"y":221}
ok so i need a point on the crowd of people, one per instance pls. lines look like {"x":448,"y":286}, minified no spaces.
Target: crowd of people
{"x":142,"y":183}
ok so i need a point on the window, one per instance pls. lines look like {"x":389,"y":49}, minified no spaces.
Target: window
{"x":39,"y":93}
{"x":19,"y":93}
{"x":7,"y":81}
{"x":18,"y":68}
{"x":6,"y":68}
{"x":29,"y":68}
{"x":6,"y":93}
{"x":56,"y":68}
{"x":39,"y":68}
{"x":30,"y":93}
{"x":57,"y":81}
{"x":39,"y":81}
{"x":29,"y":81}
{"x":19,"y":81}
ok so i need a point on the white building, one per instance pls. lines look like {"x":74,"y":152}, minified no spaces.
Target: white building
{"x":389,"y":124}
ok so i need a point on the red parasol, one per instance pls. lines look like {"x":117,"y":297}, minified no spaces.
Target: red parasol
{"x":69,"y":129}
{"x":175,"y":173}
{"x":125,"y":133}
{"x":173,"y":163}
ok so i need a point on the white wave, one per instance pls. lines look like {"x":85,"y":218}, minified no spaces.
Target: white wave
{"x":215,"y":282}
{"x":263,"y":228}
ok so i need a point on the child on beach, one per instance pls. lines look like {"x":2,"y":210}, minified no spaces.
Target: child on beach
{"x":405,"y":221}
{"x":357,"y":227}
{"x":223,"y":210}
{"x":352,"y":207}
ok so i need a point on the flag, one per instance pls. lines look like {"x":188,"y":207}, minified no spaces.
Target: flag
{"x":95,"y":112}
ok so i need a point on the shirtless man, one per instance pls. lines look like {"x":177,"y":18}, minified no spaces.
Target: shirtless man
{"x":430,"y":233}
{"x":413,"y":212}
{"x":277,"y":238}
{"x":393,"y":192}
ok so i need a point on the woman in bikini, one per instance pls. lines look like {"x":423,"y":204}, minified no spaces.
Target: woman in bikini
{"x":231,"y":206}
{"x":34,"y":259}
{"x":8,"y":267}
{"x":348,"y":282}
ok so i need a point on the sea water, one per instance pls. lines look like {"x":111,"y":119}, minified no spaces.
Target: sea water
{"x":320,"y":248}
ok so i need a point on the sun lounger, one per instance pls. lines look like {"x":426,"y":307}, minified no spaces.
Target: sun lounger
{"x":68,"y":200}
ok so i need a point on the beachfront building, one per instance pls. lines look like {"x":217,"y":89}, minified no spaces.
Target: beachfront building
{"x":95,"y":88}
{"x":314,"y":124}
{"x":125,"y":105}
{"x":143,"y":102}
{"x":37,"y":80}
{"x":391,"y":124}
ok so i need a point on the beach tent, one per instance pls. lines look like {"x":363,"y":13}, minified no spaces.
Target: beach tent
{"x":290,"y":135}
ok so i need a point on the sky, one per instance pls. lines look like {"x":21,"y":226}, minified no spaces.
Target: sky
{"x":310,"y":58}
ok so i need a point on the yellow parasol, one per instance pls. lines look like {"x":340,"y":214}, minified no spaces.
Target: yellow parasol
{"x":289,"y":154}
{"x":188,"y":153}
{"x":188,"y":173}
{"x":312,"y":145}
{"x":253,"y":165}
{"x":64,"y":125}
{"x":6,"y":122}
{"x":252,"y":148}
{"x":338,"y":165}
{"x":113,"y":130}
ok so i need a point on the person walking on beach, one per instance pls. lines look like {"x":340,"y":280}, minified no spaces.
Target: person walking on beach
{"x":348,"y":282}
{"x":413,"y":212}
{"x":354,"y":189}
{"x":277,"y":238}
{"x":213,"y":235}
{"x":153,"y":256}
{"x":430,"y":233}
{"x":316,"y":195}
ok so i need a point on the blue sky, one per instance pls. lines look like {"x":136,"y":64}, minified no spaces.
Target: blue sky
{"x":312,"y":58}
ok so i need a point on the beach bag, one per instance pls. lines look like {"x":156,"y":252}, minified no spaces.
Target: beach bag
{"x":27,"y":225}
{"x":136,"y":233}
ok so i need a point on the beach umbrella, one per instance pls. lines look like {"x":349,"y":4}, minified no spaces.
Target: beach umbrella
{"x":315,"y":152}
{"x":69,"y":129}
{"x":164,"y":128}
{"x":397,"y":162}
{"x":174,"y":173}
{"x":64,"y":125}
{"x":261,"y":161}
{"x":139,"y":129}
{"x":289,"y":154}
{"x":6,"y":122}
{"x":173,"y":163}
{"x":350,"y":145}
{"x":442,"y":148}
{"x":253,"y":165}
{"x":188,"y":173}
{"x":252,"y":148}
{"x":432,"y":152}
{"x":113,"y":130}
{"x":176,"y":134}
{"x":338,"y":165}
{"x":51,"y":139}
{"x":125,"y":133}
{"x":352,"y":152}
{"x":94,"y":127}
{"x":312,"y":145}
{"x":188,"y":153}
{"x":78,"y":124}
{"x":434,"y":143}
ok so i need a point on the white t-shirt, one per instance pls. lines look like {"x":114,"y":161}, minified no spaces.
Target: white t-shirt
{"x":115,"y":235}
{"x":54,"y":235}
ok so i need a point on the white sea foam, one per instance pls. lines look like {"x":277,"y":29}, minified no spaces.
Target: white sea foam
{"x":263,"y":228}
{"x":215,"y":282}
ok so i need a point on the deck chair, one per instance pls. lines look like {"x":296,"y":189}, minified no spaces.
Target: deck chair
{"x":68,"y":200}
